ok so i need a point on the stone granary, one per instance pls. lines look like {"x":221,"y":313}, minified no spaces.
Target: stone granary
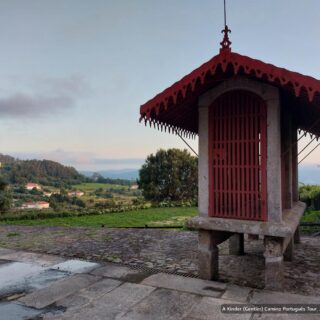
{"x":247,"y":114}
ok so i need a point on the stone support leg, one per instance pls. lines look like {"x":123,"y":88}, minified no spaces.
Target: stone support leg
{"x":208,"y":256}
{"x":296,"y":236}
{"x":288,"y":253}
{"x":273,"y":263}
{"x":236,"y":244}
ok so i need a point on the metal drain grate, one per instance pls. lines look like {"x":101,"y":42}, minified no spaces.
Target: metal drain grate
{"x":142,"y":268}
{"x":155,"y":270}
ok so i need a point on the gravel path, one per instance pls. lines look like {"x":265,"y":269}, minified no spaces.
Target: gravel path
{"x":171,"y":250}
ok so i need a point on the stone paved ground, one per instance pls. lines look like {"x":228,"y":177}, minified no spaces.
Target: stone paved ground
{"x":170,"y":250}
{"x":30,"y":289}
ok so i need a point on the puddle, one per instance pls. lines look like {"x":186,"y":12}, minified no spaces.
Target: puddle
{"x":45,"y":278}
{"x":75,"y":266}
{"x":20,"y":277}
{"x":17,"y":277}
{"x":13,"y":311}
{"x":15,"y":272}
{"x":16,"y":311}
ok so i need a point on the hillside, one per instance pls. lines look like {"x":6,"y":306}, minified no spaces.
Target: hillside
{"x":45,"y":172}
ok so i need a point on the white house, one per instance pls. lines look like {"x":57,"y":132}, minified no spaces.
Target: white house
{"x":36,"y":205}
{"x":31,"y":186}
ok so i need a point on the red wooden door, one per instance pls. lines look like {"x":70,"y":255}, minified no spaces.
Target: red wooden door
{"x":237,"y":156}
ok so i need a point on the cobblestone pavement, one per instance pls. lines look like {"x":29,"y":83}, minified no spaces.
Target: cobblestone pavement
{"x":170,"y":250}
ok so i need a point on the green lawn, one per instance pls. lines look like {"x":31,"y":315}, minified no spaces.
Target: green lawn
{"x":311,"y":216}
{"x":87,"y":187}
{"x":139,"y":218}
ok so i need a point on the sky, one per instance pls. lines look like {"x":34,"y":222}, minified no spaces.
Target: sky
{"x":75,"y":72}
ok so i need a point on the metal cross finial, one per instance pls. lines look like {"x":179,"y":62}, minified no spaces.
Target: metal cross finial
{"x":225,"y":12}
{"x":225,"y":43}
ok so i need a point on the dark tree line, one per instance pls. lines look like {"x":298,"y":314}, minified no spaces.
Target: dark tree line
{"x":45,"y":172}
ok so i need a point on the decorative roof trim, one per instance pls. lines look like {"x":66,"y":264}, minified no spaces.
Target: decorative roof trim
{"x":256,"y":68}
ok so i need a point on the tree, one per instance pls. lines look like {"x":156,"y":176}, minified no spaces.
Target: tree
{"x":169,"y":175}
{"x":5,"y":197}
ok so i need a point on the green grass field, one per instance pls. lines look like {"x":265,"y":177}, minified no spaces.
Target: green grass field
{"x":89,"y":187}
{"x":311,"y":216}
{"x":152,"y":217}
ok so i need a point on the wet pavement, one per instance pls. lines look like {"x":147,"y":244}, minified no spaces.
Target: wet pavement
{"x":36,"y":286}
{"x":165,"y":250}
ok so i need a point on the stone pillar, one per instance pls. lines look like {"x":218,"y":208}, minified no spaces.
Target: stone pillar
{"x":296,"y":236}
{"x":208,"y":256}
{"x":295,"y":179}
{"x":273,"y":263}
{"x":288,"y":253}
{"x":236,"y":244}
{"x":273,"y":157}
{"x":203,"y":163}
{"x":286,"y":158}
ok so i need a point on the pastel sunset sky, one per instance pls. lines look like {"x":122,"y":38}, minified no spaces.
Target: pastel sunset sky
{"x":74,"y":72}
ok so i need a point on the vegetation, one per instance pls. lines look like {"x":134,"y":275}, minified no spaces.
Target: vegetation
{"x":311,"y":216}
{"x":5,"y":197}
{"x":310,"y":194}
{"x":169,"y":175}
{"x":151,"y":217}
{"x":96,"y":177}
{"x":45,"y":172}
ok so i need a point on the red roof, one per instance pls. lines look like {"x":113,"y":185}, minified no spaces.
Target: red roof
{"x":176,"y":107}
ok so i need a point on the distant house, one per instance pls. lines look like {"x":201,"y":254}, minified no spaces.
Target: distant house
{"x":47,"y":194}
{"x":134,"y":187}
{"x":76,"y":193}
{"x":36,"y":205}
{"x":31,"y":186}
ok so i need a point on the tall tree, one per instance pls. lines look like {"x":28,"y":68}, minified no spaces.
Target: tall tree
{"x":5,"y":197}
{"x":169,"y":175}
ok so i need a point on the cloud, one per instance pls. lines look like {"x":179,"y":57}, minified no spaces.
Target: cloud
{"x":43,"y":96}
{"x":71,"y":85}
{"x":21,"y":105}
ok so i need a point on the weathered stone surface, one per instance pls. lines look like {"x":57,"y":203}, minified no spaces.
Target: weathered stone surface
{"x":208,"y":256}
{"x":276,"y":316}
{"x":44,"y":297}
{"x":109,"y":306}
{"x":274,"y":267}
{"x":111,"y":270}
{"x":236,"y":293}
{"x":191,"y":285}
{"x":163,"y":304}
{"x":5,"y":251}
{"x":89,"y":294}
{"x":291,"y":218}
{"x":210,"y":308}
{"x":168,"y":250}
{"x":14,"y":311}
{"x":266,"y":296}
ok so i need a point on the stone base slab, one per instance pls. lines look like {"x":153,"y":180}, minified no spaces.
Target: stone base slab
{"x":290,"y":222}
